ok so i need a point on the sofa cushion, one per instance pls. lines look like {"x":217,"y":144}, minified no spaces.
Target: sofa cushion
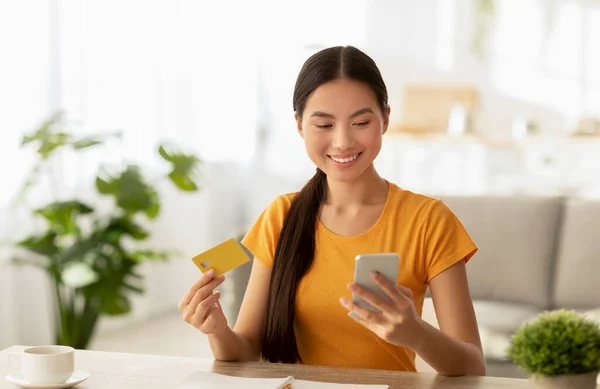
{"x":516,"y":237}
{"x":593,"y":314}
{"x":496,"y":321}
{"x":502,"y":317}
{"x":578,"y":260}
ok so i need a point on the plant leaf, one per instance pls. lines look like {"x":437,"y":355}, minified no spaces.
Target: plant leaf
{"x":44,"y":129}
{"x":85,"y":143}
{"x":135,"y":289}
{"x":61,"y":215}
{"x":132,"y":192}
{"x":105,"y":187}
{"x":183,"y":182}
{"x":52,"y":143}
{"x":78,"y":275}
{"x":164,"y":154}
{"x":154,"y":209}
{"x":114,"y":303}
{"x":183,"y":168}
{"x":43,"y":244}
{"x":49,"y":139}
{"x":81,"y":248}
{"x":123,"y":225}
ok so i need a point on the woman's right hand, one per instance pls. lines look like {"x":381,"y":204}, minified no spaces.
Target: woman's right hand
{"x":200,"y":305}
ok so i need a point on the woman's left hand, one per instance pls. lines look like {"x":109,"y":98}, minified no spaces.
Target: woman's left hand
{"x":398,"y":323}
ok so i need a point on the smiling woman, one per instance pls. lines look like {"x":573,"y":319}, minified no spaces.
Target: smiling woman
{"x":342,"y":127}
{"x":296,"y":307}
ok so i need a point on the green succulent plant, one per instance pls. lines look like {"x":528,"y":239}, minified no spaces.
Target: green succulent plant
{"x":557,"y":343}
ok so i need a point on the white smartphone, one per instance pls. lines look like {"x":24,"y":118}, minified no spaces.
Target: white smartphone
{"x":387,"y":264}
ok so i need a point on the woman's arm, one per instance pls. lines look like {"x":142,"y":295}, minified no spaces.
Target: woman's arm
{"x":454,"y":349}
{"x":243,"y":342}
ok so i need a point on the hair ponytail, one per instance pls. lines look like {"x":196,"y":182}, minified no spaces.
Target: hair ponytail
{"x":293,"y":257}
{"x":295,"y":249}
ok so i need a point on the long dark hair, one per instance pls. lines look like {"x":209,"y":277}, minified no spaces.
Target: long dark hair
{"x":295,"y":249}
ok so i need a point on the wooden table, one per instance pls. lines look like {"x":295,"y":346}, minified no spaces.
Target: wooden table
{"x":132,"y":371}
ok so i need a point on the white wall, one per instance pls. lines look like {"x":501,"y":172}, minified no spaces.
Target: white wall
{"x":24,"y":102}
{"x":7,"y":330}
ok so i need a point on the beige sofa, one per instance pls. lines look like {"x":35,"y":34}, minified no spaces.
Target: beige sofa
{"x":536,"y":254}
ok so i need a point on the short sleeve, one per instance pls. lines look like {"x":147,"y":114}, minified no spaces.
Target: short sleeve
{"x":261,"y":239}
{"x":446,"y":240}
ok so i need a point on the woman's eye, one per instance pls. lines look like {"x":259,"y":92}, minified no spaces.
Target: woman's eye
{"x":323,"y":126}
{"x":363,"y":124}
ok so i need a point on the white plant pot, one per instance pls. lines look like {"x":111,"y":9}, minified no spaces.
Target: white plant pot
{"x":567,"y":381}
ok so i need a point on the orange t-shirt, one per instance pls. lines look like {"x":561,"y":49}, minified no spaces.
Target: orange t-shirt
{"x":424,"y":232}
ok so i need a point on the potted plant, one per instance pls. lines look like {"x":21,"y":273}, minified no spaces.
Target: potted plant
{"x":92,"y":256}
{"x":558,"y":350}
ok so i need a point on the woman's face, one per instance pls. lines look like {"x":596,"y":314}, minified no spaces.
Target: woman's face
{"x":342,"y":127}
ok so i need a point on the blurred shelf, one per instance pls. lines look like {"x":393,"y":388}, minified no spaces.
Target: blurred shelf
{"x":469,"y":164}
{"x":531,"y":140}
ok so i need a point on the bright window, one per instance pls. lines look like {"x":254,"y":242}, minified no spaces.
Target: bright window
{"x":546,"y":53}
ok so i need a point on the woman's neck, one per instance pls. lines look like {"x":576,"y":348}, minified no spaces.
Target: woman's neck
{"x":369,"y":188}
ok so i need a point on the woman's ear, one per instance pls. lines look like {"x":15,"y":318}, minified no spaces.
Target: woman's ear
{"x":386,"y":118}
{"x":299,"y":124}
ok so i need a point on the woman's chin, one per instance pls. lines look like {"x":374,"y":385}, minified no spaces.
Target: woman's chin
{"x":346,"y":175}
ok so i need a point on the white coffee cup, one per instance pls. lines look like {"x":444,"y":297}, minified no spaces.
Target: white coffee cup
{"x":44,"y":365}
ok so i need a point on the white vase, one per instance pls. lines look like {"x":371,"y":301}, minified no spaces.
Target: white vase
{"x":567,"y":381}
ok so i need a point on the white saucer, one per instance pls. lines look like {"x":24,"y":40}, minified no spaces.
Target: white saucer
{"x":77,"y":377}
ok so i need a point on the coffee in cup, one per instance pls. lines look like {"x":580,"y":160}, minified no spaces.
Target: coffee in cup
{"x":45,"y":365}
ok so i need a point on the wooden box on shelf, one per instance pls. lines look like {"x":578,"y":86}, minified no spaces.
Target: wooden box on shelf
{"x":426,"y":108}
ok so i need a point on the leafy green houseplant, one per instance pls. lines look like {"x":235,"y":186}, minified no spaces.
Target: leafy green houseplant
{"x":560,"y":349}
{"x":92,"y":255}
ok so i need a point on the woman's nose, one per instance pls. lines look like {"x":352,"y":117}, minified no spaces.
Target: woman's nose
{"x":342,"y":139}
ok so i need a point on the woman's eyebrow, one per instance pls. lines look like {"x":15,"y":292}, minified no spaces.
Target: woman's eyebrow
{"x":326,"y":115}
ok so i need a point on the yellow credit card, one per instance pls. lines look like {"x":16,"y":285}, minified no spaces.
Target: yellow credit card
{"x":223,"y":257}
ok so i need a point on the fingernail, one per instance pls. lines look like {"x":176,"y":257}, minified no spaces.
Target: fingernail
{"x":210,"y":273}
{"x":374,"y":274}
{"x":344,"y":301}
{"x":352,"y":287}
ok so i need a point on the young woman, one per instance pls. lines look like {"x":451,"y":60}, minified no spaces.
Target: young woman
{"x":297,"y":303}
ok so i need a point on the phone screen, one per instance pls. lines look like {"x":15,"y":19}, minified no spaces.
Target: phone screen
{"x":387,"y":264}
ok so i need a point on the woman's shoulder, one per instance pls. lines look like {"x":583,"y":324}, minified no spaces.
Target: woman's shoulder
{"x":421,"y":208}
{"x":283,"y":201}
{"x":409,"y":201}
{"x":278,"y":207}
